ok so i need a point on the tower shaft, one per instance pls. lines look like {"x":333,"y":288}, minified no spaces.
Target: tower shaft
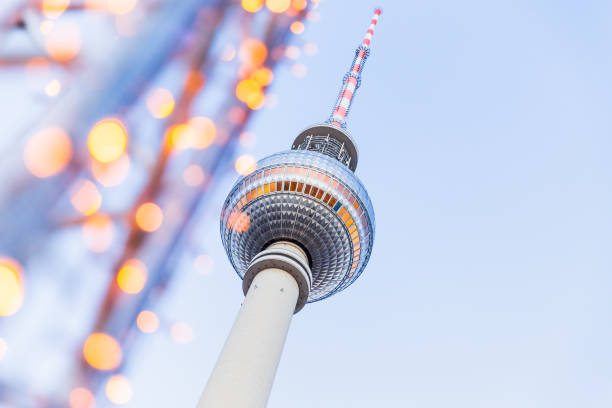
{"x":245,"y":370}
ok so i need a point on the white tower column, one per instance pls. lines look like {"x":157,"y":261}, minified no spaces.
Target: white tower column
{"x":276,"y":286}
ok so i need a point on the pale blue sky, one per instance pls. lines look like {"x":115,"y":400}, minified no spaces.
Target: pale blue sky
{"x":484,"y":135}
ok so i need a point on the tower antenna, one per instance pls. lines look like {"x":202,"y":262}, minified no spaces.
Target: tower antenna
{"x":352,"y":79}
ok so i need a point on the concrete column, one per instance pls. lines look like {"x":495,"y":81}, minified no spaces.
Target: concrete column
{"x":244,"y":373}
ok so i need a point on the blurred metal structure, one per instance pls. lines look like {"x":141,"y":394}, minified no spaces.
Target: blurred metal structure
{"x":133,"y":108}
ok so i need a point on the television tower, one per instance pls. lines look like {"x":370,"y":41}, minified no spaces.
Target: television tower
{"x":298,"y":229}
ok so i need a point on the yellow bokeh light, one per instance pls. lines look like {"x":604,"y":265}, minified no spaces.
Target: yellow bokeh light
{"x":193,"y":175}
{"x":149,"y":217}
{"x":252,"y":6}
{"x":107,"y":140}
{"x":245,"y":164}
{"x":86,"y":198}
{"x":47,"y":152}
{"x":278,"y":6}
{"x":263,"y":76}
{"x":160,"y":103}
{"x":53,"y":88}
{"x":102,"y":351}
{"x":54,"y":8}
{"x":299,"y":5}
{"x":297,"y":27}
{"x":63,"y":42}
{"x":181,"y":333}
{"x":147,"y":321}
{"x":3,"y":348}
{"x":253,"y":52}
{"x":249,"y":91}
{"x":204,"y":133}
{"x":120,"y":7}
{"x":11,"y":287}
{"x":98,"y":231}
{"x":132,"y":276}
{"x":118,"y":390}
{"x":113,"y":173}
{"x":81,"y":398}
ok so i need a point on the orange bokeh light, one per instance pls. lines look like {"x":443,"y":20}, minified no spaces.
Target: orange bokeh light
{"x":149,"y":217}
{"x":252,"y":6}
{"x":253,"y":52}
{"x":193,"y":175}
{"x":47,"y":152}
{"x":102,"y":351}
{"x":263,"y":76}
{"x":113,"y":173}
{"x":160,"y":103}
{"x":239,"y":221}
{"x":118,"y":390}
{"x":54,"y":8}
{"x":132,"y":276}
{"x":11,"y":287}
{"x":245,"y":164}
{"x":297,"y":27}
{"x":86,"y":198}
{"x":107,"y":140}
{"x":181,"y":333}
{"x":147,"y":321}
{"x":204,"y":132}
{"x":249,"y":91}
{"x":299,"y":5}
{"x":81,"y":398}
{"x":63,"y":42}
{"x":278,"y":6}
{"x":98,"y":231}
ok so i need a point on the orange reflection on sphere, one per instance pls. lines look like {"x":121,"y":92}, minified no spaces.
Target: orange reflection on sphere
{"x":81,"y":398}
{"x":47,"y":152}
{"x":11,"y":287}
{"x":86,"y":198}
{"x":63,"y":42}
{"x":118,"y":390}
{"x":149,"y":217}
{"x":107,"y":140}
{"x":147,"y":321}
{"x":102,"y":351}
{"x":98,"y":231}
{"x":132,"y":276}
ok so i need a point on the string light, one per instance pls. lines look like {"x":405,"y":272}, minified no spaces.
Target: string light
{"x":160,"y":103}
{"x":111,"y":174}
{"x":118,"y":390}
{"x":98,"y":233}
{"x":252,"y":6}
{"x":278,"y":6}
{"x":297,"y":27}
{"x":147,"y":321}
{"x":121,"y":7}
{"x":47,"y":152}
{"x":11,"y":287}
{"x":63,"y":42}
{"x":53,"y":88}
{"x":252,"y":52}
{"x":86,"y":198}
{"x":81,"y":398}
{"x":193,"y":175}
{"x":107,"y":140}
{"x":54,"y":8}
{"x":102,"y":351}
{"x":245,"y":164}
{"x":181,"y":333}
{"x":149,"y":217}
{"x":132,"y":276}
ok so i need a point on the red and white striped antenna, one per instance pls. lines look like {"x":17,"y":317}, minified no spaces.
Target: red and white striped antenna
{"x":352,"y":79}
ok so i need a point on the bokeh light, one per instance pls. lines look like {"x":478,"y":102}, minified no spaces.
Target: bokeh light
{"x":3,"y":348}
{"x":292,"y":52}
{"x":299,"y":70}
{"x":263,"y":76}
{"x":46,"y":27}
{"x":204,"y":132}
{"x":299,"y":5}
{"x":47,"y":152}
{"x":239,"y":221}
{"x":204,"y":264}
{"x":253,"y":52}
{"x":278,"y":6}
{"x":81,"y":398}
{"x":107,"y":140}
{"x":111,"y":174}
{"x":245,"y":164}
{"x":53,"y":88}
{"x":118,"y":390}
{"x":149,"y":217}
{"x":252,"y":6}
{"x":147,"y":321}
{"x":102,"y":351}
{"x":193,"y":175}
{"x":120,"y":7}
{"x":132,"y":276}
{"x":160,"y":103}
{"x":86,"y":198}
{"x":297,"y":27}
{"x":63,"y":42}
{"x":11,"y":287}
{"x":98,"y":231}
{"x":54,"y":8}
{"x":182,"y":333}
{"x":311,"y":49}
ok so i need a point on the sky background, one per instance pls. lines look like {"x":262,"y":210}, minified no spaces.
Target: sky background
{"x":484,"y":137}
